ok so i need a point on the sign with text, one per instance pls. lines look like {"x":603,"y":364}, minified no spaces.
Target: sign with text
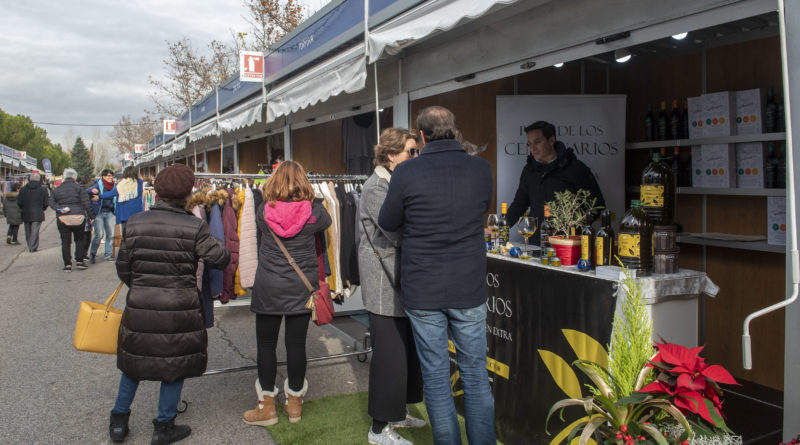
{"x":128,"y":156}
{"x":251,"y":66}
{"x":593,"y":126}
{"x":169,"y":126}
{"x":47,"y":165}
{"x":139,"y":148}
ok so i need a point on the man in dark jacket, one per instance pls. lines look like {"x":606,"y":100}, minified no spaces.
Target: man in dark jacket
{"x":551,"y":168}
{"x":438,"y":200}
{"x":73,"y":212}
{"x":33,"y":202}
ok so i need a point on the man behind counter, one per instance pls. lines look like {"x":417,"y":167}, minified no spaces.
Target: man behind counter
{"x":551,"y":167}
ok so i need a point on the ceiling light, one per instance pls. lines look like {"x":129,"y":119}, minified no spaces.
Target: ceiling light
{"x":680,"y":36}
{"x":559,"y":65}
{"x":622,"y":55}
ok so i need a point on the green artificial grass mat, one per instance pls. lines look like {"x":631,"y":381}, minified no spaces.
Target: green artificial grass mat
{"x":343,"y":420}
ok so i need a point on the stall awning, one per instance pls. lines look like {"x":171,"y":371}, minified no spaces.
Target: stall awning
{"x":430,"y":17}
{"x":344,"y":73}
{"x":242,"y":116}
{"x":179,"y":145}
{"x":205,"y":129}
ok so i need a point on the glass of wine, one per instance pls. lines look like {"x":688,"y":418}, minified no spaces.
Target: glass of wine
{"x":527,"y":227}
{"x":493,"y":224}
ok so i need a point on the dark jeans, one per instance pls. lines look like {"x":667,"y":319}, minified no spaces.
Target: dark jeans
{"x":395,"y":378}
{"x":13,"y":231}
{"x":168,"y":398}
{"x":67,"y":234}
{"x":267,"y":328}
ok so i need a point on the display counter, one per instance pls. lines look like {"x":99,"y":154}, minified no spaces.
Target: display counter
{"x":542,"y":318}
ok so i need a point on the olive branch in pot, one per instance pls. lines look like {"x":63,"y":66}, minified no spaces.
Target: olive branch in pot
{"x":569,"y":209}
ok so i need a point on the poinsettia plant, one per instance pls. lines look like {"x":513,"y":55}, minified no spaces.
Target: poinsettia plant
{"x":691,"y":385}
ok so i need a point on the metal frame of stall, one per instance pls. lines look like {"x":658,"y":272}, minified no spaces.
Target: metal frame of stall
{"x":360,"y":351}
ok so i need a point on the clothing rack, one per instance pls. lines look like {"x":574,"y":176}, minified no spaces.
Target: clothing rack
{"x":311,"y":177}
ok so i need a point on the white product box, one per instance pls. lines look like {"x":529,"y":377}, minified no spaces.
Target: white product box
{"x":750,"y":111}
{"x":714,"y":166}
{"x":776,"y":220}
{"x":750,"y":162}
{"x":719,"y":110}
{"x":696,"y":117}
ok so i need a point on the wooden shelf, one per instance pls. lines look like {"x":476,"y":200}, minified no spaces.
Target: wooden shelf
{"x":760,"y":246}
{"x":762,"y":137}
{"x":721,"y":191}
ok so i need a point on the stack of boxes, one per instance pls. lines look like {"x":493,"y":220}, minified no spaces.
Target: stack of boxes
{"x":751,"y":156}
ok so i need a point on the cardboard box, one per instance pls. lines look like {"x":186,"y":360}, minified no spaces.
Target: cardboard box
{"x":696,"y":117}
{"x":750,"y":163}
{"x":776,"y":220}
{"x":750,"y":111}
{"x":719,"y":110}
{"x":714,"y":166}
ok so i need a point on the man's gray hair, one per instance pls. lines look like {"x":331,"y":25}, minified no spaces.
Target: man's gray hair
{"x":35,"y":177}
{"x":70,"y":173}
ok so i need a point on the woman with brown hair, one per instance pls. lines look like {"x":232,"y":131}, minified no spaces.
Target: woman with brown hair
{"x":394,"y":374}
{"x":291,"y":214}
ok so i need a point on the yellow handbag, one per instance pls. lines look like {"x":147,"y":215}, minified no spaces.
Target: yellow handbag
{"x":98,"y":326}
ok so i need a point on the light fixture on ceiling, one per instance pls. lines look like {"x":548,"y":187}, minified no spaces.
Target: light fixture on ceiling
{"x":680,"y":36}
{"x":527,"y":65}
{"x":559,"y":65}
{"x":622,"y":55}
{"x":380,"y":110}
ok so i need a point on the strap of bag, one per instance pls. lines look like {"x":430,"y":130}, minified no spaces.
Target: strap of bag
{"x":111,"y":299}
{"x":383,"y":265}
{"x":291,"y":260}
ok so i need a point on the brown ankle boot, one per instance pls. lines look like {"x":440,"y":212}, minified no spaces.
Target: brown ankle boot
{"x":294,"y":401}
{"x":264,"y":414}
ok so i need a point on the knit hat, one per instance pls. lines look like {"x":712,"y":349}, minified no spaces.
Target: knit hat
{"x":175,"y":181}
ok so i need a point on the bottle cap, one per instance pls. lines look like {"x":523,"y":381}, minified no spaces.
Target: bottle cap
{"x":546,"y":211}
{"x":504,"y":207}
{"x":656,"y":157}
{"x":636,"y":204}
{"x":676,"y":151}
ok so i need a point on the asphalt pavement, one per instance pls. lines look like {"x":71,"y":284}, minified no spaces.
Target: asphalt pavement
{"x":51,"y":393}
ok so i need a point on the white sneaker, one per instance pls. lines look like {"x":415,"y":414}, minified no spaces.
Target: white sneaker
{"x":409,"y":422}
{"x":388,"y":436}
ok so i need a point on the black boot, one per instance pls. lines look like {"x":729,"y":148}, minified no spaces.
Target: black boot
{"x":118,"y":427}
{"x":168,"y":432}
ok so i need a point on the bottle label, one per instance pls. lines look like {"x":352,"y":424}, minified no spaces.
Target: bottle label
{"x":585,"y":247}
{"x":652,"y":195}
{"x":629,"y":245}
{"x":598,"y":247}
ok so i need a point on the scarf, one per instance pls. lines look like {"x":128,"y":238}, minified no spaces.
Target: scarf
{"x":127,"y":189}
{"x":108,"y":185}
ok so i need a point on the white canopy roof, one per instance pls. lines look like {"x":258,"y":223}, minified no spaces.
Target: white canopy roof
{"x":205,"y":129}
{"x":242,"y":116}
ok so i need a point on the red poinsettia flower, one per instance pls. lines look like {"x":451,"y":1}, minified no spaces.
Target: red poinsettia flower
{"x":686,"y":400}
{"x":691,"y":369}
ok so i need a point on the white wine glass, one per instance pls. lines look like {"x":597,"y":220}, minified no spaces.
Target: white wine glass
{"x":493,"y":224}
{"x":526,"y":227}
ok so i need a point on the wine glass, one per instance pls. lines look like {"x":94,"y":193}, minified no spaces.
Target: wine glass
{"x":493,"y":224}
{"x":526,"y":227}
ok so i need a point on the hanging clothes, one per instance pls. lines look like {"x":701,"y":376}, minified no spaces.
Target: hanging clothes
{"x":238,"y":289}
{"x":348,"y":256}
{"x":248,"y":253}
{"x":359,"y":137}
{"x":229,"y":224}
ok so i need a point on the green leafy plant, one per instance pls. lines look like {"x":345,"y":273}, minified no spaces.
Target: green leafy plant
{"x":569,"y":209}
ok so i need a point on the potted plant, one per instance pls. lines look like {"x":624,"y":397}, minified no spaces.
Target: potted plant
{"x":568,"y":211}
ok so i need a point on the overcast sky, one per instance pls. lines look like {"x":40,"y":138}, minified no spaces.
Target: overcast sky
{"x":87,"y":61}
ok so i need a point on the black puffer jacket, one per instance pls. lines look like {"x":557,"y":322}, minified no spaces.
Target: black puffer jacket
{"x":162,"y":335}
{"x":277,"y":289}
{"x":33,"y":200}
{"x":71,"y":195}
{"x":539,"y":182}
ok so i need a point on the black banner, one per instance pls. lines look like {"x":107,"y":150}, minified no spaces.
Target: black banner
{"x":539,"y":320}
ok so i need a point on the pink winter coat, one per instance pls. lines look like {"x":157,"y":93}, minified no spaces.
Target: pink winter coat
{"x":248,"y":250}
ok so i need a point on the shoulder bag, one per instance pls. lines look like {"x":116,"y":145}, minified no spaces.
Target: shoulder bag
{"x":393,"y":279}
{"x":321,"y":305}
{"x":97,"y":327}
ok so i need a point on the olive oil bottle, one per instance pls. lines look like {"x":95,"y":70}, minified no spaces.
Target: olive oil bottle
{"x":545,"y":231}
{"x":657,"y":192}
{"x":587,"y":245}
{"x":504,"y":235}
{"x":636,"y":239}
{"x":604,"y":242}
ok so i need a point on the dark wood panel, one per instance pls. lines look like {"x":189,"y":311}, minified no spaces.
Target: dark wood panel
{"x":688,"y":213}
{"x":755,"y":64}
{"x":741,"y":215}
{"x":213,"y":160}
{"x":252,"y":153}
{"x":319,"y":148}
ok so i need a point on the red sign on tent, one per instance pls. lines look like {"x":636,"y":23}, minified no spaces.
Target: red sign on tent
{"x":138,"y":148}
{"x":251,"y":66}
{"x":169,"y":126}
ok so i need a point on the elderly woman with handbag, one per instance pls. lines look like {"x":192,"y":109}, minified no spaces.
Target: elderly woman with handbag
{"x":73,"y":208}
{"x":162,"y":335}
{"x":395,"y":378}
{"x":288,"y":220}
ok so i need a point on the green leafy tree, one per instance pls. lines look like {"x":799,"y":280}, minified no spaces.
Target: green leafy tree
{"x":81,"y":161}
{"x":19,"y":133}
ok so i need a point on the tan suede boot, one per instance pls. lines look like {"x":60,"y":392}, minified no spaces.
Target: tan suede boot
{"x":264,"y":414}
{"x":294,"y":401}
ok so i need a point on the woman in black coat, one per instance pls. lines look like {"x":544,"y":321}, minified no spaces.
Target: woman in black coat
{"x":162,"y":335}
{"x":290,"y":213}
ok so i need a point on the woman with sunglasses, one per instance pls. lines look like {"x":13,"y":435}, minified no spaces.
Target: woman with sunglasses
{"x":394,"y":375}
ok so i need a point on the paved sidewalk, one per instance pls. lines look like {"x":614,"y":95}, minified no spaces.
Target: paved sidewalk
{"x":52,"y":394}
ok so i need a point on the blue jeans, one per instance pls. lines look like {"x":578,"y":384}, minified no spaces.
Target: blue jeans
{"x":103,"y":223}
{"x":468,"y":332}
{"x":168,"y":398}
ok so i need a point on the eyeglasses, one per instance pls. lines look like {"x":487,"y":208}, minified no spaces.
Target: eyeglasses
{"x":413,"y":152}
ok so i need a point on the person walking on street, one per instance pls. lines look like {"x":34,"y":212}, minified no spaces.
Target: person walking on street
{"x":438,"y":201}
{"x":129,"y":194}
{"x":33,"y":199}
{"x":289,"y":218}
{"x":87,"y":183}
{"x":13,"y":213}
{"x":104,"y":223}
{"x":73,"y":209}
{"x":394,"y":374}
{"x":162,"y":335}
